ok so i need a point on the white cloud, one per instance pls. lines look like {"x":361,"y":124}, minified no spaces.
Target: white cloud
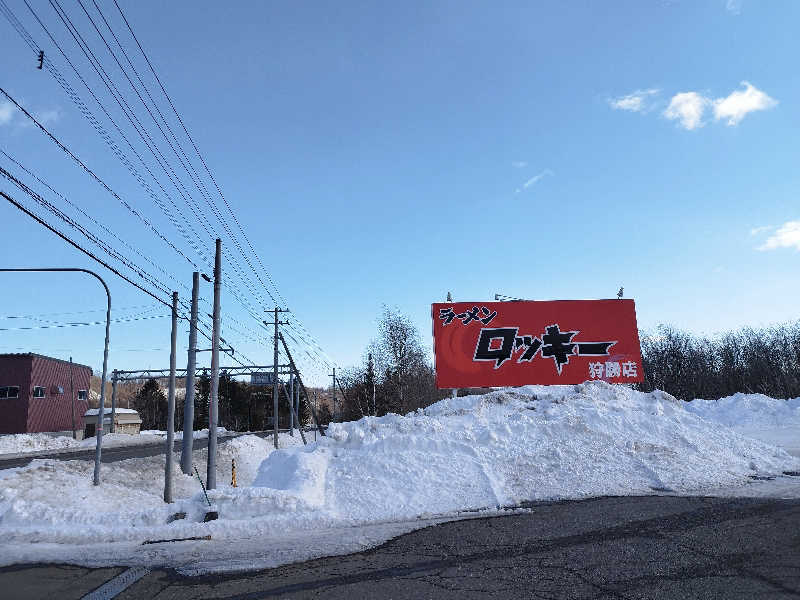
{"x":534,"y":180}
{"x":688,"y":108}
{"x":787,"y":236}
{"x":741,"y":102}
{"x":762,"y":229}
{"x":48,"y":116}
{"x":734,"y":7}
{"x":519,"y":164}
{"x":638,"y":101}
{"x":6,"y":112}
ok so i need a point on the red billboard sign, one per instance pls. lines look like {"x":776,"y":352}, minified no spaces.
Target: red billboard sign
{"x":487,"y":344}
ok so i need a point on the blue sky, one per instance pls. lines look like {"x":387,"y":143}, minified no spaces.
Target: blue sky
{"x":387,"y":153}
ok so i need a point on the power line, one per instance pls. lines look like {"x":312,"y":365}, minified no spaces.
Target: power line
{"x":299,"y":329}
{"x":84,"y":323}
{"x":208,"y":171}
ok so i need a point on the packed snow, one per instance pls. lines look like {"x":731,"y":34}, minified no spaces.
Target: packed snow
{"x":23,"y":443}
{"x":755,"y":415}
{"x":378,"y":477}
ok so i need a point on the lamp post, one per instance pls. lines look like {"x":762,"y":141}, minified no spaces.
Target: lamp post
{"x":99,"y":428}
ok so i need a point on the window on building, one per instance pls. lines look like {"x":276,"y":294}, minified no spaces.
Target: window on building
{"x":38,"y":391}
{"x":13,"y":392}
{"x":82,"y":395}
{"x":3,"y":392}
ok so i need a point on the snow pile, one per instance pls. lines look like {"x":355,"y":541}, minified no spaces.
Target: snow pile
{"x":748,"y":411}
{"x":55,"y":501}
{"x":20,"y":443}
{"x":33,"y":442}
{"x":462,"y":454}
{"x":755,"y":415}
{"x":504,"y":448}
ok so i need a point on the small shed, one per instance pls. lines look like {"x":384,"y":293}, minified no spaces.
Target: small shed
{"x":126,"y":420}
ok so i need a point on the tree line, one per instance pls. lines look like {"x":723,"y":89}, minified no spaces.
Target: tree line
{"x":396,"y":376}
{"x":241,"y":406}
{"x":763,"y":360}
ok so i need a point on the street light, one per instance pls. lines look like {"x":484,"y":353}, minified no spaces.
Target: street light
{"x":99,"y":428}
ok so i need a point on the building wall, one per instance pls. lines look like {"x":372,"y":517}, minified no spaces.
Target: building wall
{"x":15,"y":370}
{"x":53,"y":412}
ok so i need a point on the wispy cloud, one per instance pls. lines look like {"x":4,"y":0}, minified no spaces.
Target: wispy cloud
{"x":756,"y":230}
{"x":739,"y":103}
{"x":734,"y":7}
{"x":519,"y":164}
{"x":638,"y":101}
{"x":6,"y":112}
{"x":687,"y":108}
{"x":533,"y":180}
{"x":786,"y":236}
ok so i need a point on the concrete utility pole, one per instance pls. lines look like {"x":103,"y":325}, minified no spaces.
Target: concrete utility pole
{"x":334,"y":394}
{"x":171,"y":402}
{"x":191,"y":365}
{"x":211,"y":471}
{"x":275,"y":382}
{"x":297,"y":408}
{"x":290,"y":398}
{"x":303,"y":389}
{"x":275,"y":385}
{"x":454,"y":392}
{"x":72,"y":396}
{"x":113,"y":399}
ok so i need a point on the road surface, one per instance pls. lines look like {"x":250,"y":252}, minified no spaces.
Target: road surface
{"x":621,"y":548}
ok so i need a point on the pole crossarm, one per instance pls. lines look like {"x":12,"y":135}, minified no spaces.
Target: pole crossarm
{"x":163,"y":373}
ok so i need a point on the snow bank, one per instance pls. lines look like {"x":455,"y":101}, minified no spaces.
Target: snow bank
{"x":755,"y":415}
{"x":462,"y":454}
{"x":504,"y":448}
{"x":34,"y":442}
{"x":20,"y":443}
{"x":748,"y":411}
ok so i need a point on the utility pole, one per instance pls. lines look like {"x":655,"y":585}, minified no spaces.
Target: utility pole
{"x":372,"y":376}
{"x":303,"y":389}
{"x":454,"y":392}
{"x":113,"y":399}
{"x":211,"y":471}
{"x":291,"y":404}
{"x":334,"y":393}
{"x":297,"y":408}
{"x":72,"y":396}
{"x":191,"y":365}
{"x":171,"y":402}
{"x":275,"y":382}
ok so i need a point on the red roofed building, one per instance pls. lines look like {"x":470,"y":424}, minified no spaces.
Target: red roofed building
{"x":35,"y":394}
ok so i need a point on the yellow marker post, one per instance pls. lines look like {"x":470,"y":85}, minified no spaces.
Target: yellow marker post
{"x":233,"y":472}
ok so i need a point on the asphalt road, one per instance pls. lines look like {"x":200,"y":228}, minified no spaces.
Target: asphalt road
{"x":629,"y":547}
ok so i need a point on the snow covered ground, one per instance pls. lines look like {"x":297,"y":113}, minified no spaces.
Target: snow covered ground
{"x":22,"y":443}
{"x":755,"y":415}
{"x":375,"y":478}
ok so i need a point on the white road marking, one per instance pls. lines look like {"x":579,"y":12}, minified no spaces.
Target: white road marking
{"x":114,"y":587}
